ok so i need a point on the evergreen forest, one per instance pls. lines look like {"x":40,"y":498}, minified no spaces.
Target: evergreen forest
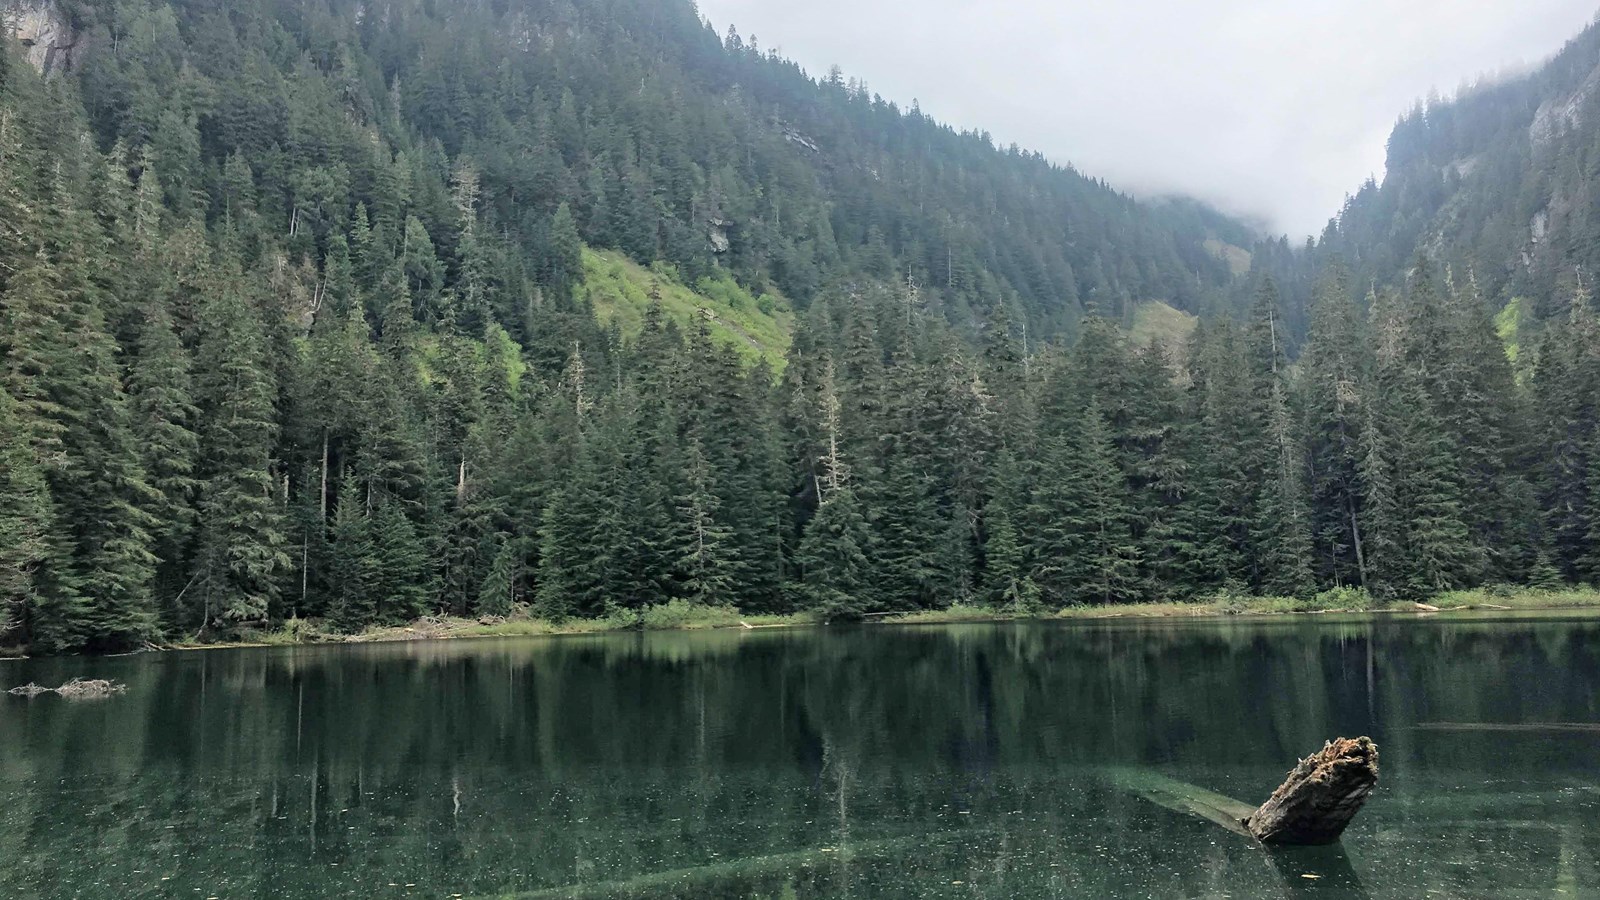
{"x":302,"y":318}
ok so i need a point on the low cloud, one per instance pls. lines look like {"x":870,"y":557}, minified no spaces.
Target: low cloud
{"x":1269,"y":110}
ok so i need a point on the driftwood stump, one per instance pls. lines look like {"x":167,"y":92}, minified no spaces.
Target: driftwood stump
{"x":1320,"y":796}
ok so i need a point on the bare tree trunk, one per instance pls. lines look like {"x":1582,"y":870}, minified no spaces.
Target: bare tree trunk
{"x":1355,"y":533}
{"x":323,"y":500}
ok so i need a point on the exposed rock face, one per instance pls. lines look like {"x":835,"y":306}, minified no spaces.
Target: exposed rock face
{"x":793,"y":136}
{"x":43,"y":30}
{"x":1465,"y":166}
{"x":1321,"y":795}
{"x":1560,"y":113}
{"x":717,"y":233}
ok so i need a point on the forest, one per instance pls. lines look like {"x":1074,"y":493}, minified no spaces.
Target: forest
{"x":293,"y":325}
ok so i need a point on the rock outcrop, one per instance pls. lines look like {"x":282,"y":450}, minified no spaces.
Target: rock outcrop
{"x":43,"y":30}
{"x":1558,"y":114}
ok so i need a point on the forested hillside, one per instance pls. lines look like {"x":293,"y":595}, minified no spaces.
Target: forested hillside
{"x":361,"y":312}
{"x":1502,"y":180}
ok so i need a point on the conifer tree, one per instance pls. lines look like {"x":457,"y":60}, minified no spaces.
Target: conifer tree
{"x":1229,"y":449}
{"x":502,"y":586}
{"x":906,"y":520}
{"x":832,"y":558}
{"x":164,"y":419}
{"x":1083,"y":546}
{"x":1287,"y":558}
{"x":1565,"y":379}
{"x":402,"y":586}
{"x":60,"y":364}
{"x":1438,"y":547}
{"x":563,"y":566}
{"x":1005,"y":579}
{"x":703,"y":548}
{"x":1335,"y":389}
{"x":27,"y":521}
{"x":241,"y":538}
{"x":1379,"y":517}
{"x":353,"y":564}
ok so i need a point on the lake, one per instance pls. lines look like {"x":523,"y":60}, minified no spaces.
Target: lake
{"x":878,"y":761}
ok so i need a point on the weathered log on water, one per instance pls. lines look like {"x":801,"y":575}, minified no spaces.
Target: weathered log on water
{"x":76,"y":689}
{"x":1320,"y":796}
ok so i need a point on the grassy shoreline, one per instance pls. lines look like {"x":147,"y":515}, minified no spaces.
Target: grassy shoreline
{"x":1347,"y":601}
{"x":682,"y":616}
{"x":677,"y":615}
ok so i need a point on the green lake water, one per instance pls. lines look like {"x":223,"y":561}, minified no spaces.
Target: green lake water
{"x":940,"y":761}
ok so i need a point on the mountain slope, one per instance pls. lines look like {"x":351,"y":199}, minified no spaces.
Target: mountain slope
{"x":1503,"y":180}
{"x":666,"y":142}
{"x":361,"y":312}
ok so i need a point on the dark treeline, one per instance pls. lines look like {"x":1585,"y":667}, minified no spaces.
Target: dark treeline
{"x":286,"y":334}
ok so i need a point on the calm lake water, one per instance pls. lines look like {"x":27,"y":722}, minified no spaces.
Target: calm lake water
{"x":952,"y":761}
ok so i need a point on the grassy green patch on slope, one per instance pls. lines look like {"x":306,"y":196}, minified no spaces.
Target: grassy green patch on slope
{"x":621,"y":290}
{"x":1237,"y":258}
{"x":1158,"y":322}
{"x":1508,"y":324}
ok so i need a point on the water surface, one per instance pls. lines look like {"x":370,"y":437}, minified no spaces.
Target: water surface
{"x":950,"y":761}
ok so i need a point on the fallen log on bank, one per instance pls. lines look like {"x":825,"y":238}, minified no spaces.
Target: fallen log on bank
{"x":1320,"y":796}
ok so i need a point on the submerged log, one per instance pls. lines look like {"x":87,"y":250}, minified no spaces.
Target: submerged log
{"x":1182,"y":797}
{"x":1320,"y":796}
{"x":1576,"y":727}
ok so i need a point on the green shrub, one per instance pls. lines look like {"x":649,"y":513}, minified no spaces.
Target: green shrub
{"x":684,"y":614}
{"x":1344,"y":597}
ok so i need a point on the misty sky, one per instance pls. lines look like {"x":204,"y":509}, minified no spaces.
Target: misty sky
{"x":1265,"y":108}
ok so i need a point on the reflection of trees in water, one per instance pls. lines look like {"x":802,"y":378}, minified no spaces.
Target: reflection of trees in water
{"x":478,"y":766}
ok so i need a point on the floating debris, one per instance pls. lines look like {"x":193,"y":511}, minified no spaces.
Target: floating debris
{"x":76,"y":689}
{"x":1510,"y":726}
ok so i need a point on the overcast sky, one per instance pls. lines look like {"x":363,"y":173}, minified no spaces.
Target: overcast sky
{"x":1266,"y":108}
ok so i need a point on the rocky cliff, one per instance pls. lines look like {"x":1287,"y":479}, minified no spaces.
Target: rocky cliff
{"x":42,"y":28}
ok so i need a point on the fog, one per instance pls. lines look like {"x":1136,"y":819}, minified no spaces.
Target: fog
{"x":1270,"y":110}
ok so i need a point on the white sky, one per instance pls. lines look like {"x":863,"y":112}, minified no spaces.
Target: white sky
{"x":1268,"y":108}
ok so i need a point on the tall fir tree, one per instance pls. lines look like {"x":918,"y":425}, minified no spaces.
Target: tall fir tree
{"x":241,"y":550}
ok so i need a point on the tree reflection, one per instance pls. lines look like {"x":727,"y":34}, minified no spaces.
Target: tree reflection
{"x":877,"y":761}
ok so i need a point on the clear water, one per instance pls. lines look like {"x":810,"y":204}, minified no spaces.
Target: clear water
{"x":950,"y":761}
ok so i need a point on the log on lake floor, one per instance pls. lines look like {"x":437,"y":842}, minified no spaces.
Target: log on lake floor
{"x":1320,"y":796}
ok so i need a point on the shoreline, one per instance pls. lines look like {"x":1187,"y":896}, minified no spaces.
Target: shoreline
{"x":680,"y":616}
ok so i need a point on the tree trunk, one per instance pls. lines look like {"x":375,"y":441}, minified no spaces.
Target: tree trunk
{"x":322,"y":501}
{"x":1355,"y":532}
{"x":1320,"y":796}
